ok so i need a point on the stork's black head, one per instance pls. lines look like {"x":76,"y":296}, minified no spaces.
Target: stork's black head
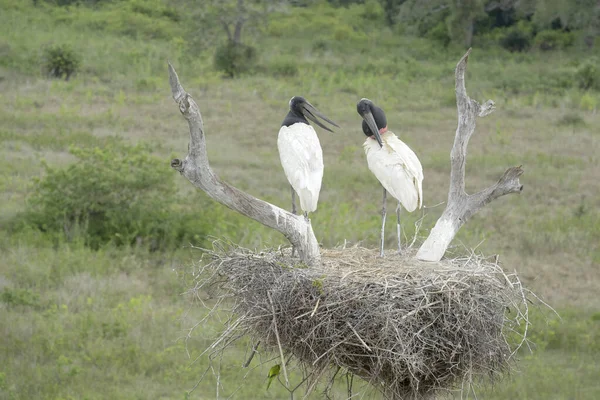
{"x":300,"y":110}
{"x":373,"y":119}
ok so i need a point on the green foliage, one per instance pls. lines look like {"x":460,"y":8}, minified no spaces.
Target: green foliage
{"x":463,"y":14}
{"x":574,"y":14}
{"x":554,"y":40}
{"x":418,"y":17}
{"x":573,"y":331}
{"x":516,"y":39}
{"x":440,"y":34}
{"x":20,"y":297}
{"x":61,"y":61}
{"x":588,"y":102}
{"x":117,"y":194}
{"x":154,"y":19}
{"x":234,"y":58}
{"x":322,"y":22}
{"x":155,"y":9}
{"x":283,"y":66}
{"x":588,"y":75}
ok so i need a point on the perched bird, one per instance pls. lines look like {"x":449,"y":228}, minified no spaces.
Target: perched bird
{"x":392,"y":162}
{"x":273,"y":372}
{"x":301,"y":154}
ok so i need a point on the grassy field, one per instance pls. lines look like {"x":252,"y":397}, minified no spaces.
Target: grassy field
{"x":77,"y":323}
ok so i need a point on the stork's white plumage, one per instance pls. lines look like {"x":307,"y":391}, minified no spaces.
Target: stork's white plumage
{"x":393,"y":163}
{"x":397,"y":168}
{"x":302,"y":161}
{"x":301,"y":154}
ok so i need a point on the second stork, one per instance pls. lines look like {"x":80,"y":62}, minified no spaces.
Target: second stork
{"x":392,"y":162}
{"x":301,"y":154}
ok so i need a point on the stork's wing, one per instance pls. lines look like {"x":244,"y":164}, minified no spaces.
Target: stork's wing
{"x":398,"y":169}
{"x":302,"y":160}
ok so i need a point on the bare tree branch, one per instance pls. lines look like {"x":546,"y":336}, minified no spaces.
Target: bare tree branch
{"x":196,"y":169}
{"x":226,"y":28}
{"x":462,"y":206}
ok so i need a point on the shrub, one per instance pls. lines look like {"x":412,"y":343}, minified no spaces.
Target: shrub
{"x":553,"y":40}
{"x":61,"y":61}
{"x":234,"y":58}
{"x":284,"y":67}
{"x":440,"y":34}
{"x":515,"y":40}
{"x":588,"y":102}
{"x":571,"y":119}
{"x":120,"y":195}
{"x":588,"y":75}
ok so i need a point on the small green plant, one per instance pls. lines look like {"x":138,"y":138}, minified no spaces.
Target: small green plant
{"x":20,"y":297}
{"x":553,"y":40}
{"x":588,"y":102}
{"x":234,"y":58}
{"x":588,"y":75}
{"x":61,"y":61}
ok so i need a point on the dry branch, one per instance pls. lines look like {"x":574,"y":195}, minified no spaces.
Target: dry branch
{"x":196,"y":169}
{"x":461,"y":206}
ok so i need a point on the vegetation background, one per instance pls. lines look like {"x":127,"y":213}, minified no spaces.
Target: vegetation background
{"x":95,"y":228}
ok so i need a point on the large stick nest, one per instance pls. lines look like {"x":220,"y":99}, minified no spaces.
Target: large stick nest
{"x":412,"y":329}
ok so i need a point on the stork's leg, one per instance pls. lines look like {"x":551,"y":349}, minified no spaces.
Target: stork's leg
{"x":306,"y":216}
{"x":383,"y":215}
{"x":293,"y":201}
{"x":398,"y":228}
{"x":293,"y":212}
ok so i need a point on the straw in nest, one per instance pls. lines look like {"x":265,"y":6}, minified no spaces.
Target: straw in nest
{"x":411,"y":329}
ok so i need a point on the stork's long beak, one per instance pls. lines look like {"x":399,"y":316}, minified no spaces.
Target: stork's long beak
{"x":368,"y":117}
{"x":312,"y":113}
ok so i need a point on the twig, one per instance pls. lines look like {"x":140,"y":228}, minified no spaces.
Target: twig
{"x":283,"y":366}
{"x":254,"y":348}
{"x":358,"y":336}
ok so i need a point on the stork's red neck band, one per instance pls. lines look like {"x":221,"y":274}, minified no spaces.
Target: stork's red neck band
{"x":383,"y":130}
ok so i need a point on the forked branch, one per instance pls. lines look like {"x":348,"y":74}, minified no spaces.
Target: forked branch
{"x":196,"y":169}
{"x":461,"y":206}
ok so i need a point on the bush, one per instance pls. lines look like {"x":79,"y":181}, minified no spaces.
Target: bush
{"x":516,"y":40}
{"x":588,"y":75}
{"x":120,"y":195}
{"x":60,"y":61}
{"x":571,"y":119}
{"x":439,"y":33}
{"x":234,"y":58}
{"x":283,"y":67}
{"x":553,"y":40}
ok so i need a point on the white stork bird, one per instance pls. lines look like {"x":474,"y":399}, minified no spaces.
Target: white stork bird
{"x":301,"y":154}
{"x":392,"y":162}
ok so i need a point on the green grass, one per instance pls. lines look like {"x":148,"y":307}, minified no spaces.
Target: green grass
{"x":86,"y":324}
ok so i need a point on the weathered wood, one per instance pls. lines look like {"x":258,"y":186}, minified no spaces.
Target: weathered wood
{"x":196,"y":169}
{"x":461,"y":206}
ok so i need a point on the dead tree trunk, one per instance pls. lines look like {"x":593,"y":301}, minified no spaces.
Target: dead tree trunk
{"x":196,"y":169}
{"x":461,"y":206}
